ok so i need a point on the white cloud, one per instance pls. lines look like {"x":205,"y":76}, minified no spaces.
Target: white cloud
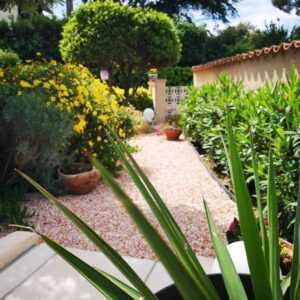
{"x":257,"y":12}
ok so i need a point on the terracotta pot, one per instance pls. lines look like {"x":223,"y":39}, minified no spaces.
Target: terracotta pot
{"x":81,"y":183}
{"x":173,"y":134}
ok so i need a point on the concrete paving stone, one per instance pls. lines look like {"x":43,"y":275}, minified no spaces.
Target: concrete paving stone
{"x":23,"y":267}
{"x":160,"y":279}
{"x":56,"y":280}
{"x":14,"y":244}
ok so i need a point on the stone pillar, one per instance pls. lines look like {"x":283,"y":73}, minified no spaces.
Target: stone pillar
{"x":158,"y":93}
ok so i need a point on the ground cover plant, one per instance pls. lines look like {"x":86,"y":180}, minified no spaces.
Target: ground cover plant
{"x":269,"y":116}
{"x":261,"y":243}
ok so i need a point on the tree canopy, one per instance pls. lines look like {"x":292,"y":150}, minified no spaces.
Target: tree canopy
{"x":288,"y":5}
{"x":29,"y":7}
{"x":218,"y":9}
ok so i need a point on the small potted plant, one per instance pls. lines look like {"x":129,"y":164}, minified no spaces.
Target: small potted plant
{"x":172,"y":129}
{"x":79,"y":177}
{"x":153,"y":74}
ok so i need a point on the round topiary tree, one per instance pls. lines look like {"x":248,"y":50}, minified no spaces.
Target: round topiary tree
{"x":127,"y":41}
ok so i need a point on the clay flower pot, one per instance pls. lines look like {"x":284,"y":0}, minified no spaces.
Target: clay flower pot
{"x":82,"y":182}
{"x":172,"y":134}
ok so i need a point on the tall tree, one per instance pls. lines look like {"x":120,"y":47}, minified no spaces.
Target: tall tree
{"x":218,"y":9}
{"x":29,"y":7}
{"x":288,"y":5}
{"x":69,"y":7}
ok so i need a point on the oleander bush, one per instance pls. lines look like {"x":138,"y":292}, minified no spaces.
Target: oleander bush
{"x":62,"y":105}
{"x":270,"y":116}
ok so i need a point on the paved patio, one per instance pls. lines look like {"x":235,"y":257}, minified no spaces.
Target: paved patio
{"x":39,"y":274}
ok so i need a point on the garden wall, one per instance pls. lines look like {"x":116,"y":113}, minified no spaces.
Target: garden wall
{"x":254,"y":68}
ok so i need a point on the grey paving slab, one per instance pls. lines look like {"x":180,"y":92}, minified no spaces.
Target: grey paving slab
{"x":160,"y":279}
{"x":56,"y":280}
{"x":22,"y":268}
{"x":14,"y":244}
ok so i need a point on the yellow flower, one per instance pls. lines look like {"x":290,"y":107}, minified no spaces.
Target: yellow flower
{"x":80,"y":126}
{"x":25,"y":84}
{"x":1,"y":73}
{"x":19,"y":93}
{"x":36,"y":82}
{"x":46,"y":85}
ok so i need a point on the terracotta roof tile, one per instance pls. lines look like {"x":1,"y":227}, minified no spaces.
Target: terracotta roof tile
{"x":249,"y":55}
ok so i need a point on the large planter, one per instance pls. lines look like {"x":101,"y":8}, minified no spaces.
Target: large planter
{"x":172,"y":134}
{"x":171,"y":292}
{"x":80,"y":183}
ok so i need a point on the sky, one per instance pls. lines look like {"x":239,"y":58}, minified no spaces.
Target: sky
{"x":257,"y":12}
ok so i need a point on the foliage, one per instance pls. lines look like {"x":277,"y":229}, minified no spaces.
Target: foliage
{"x":141,"y":98}
{"x":28,"y":8}
{"x":8,"y":58}
{"x":177,"y":256}
{"x":288,"y":5}
{"x":194,"y":39}
{"x":125,"y":40}
{"x":32,"y":37}
{"x":217,"y":9}
{"x":269,"y":115}
{"x":12,"y":210}
{"x":177,"y":75}
{"x":62,"y":105}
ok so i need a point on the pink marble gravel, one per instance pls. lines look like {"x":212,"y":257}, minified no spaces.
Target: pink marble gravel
{"x":180,"y":177}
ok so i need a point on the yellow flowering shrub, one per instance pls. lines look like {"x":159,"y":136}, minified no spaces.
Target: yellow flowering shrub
{"x":74,"y":89}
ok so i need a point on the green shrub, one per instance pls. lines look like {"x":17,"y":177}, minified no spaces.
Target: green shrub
{"x":8,"y":58}
{"x":141,"y":99}
{"x":32,"y":36}
{"x":270,"y":116}
{"x":43,"y":103}
{"x":34,"y":126}
{"x":177,"y":75}
{"x":12,"y":209}
{"x":125,"y":40}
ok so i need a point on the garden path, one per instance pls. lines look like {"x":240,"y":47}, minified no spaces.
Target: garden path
{"x":181,"y":178}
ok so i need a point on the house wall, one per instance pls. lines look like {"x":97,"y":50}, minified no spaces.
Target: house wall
{"x":11,"y":14}
{"x":254,"y":72}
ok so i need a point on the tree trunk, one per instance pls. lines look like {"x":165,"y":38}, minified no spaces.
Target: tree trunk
{"x":69,"y":4}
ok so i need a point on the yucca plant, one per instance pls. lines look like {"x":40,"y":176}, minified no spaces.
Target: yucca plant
{"x":179,"y":260}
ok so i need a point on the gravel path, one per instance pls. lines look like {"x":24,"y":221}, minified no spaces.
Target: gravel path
{"x":178,"y":174}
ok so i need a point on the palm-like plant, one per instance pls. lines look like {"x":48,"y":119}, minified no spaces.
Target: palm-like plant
{"x":177,"y":256}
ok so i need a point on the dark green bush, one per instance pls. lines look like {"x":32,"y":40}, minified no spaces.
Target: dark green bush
{"x":177,"y":75}
{"x":8,"y":58}
{"x":31,"y":36}
{"x":39,"y":136}
{"x":270,"y":115}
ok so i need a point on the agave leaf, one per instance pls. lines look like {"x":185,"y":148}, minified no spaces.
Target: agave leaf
{"x":232,"y":281}
{"x":175,"y":236}
{"x":262,"y":226}
{"x":295,"y":273}
{"x":182,"y":279}
{"x":101,"y":283}
{"x":110,"y":253}
{"x":255,"y":255}
{"x":273,"y":233}
{"x":123,"y":286}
